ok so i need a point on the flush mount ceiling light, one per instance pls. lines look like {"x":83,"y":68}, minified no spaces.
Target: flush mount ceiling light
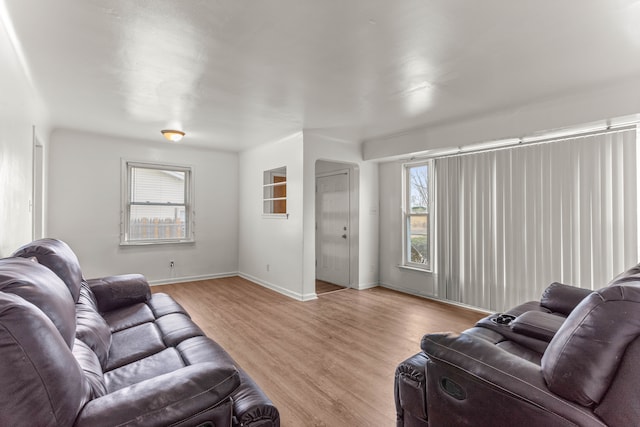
{"x":172,"y":135}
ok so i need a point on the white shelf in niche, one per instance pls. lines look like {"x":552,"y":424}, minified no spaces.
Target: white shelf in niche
{"x":274,"y":193}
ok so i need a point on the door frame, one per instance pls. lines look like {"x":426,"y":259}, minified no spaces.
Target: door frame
{"x":350,"y":234}
{"x":37,"y":189}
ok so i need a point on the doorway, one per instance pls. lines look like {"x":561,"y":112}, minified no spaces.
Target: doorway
{"x":334,"y":232}
{"x":37,"y":203}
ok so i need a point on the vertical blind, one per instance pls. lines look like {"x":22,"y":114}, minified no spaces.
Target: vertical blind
{"x":511,"y":221}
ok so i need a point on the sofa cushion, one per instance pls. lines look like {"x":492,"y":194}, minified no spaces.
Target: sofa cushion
{"x":160,"y":363}
{"x":520,"y":351}
{"x":91,"y":328}
{"x":162,"y":304}
{"x":59,"y":258}
{"x":201,"y":350}
{"x":134,"y":344}
{"x":584,"y":354}
{"x":156,"y":306}
{"x":90,"y":365}
{"x":177,"y":327}
{"x":533,"y":344}
{"x":41,"y":287}
{"x":127,"y":317}
{"x":41,"y":380}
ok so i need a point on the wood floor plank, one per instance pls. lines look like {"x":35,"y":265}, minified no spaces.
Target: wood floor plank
{"x":323,"y":287}
{"x":326,"y":362}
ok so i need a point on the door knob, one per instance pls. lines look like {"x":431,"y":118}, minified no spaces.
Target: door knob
{"x":344,"y":236}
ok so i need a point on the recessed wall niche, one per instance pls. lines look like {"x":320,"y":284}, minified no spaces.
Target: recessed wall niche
{"x":274,"y":192}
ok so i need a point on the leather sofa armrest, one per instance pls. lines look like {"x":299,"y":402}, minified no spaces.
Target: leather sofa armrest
{"x":486,"y":383}
{"x":537,"y":324}
{"x":410,"y":391}
{"x":165,"y":399}
{"x":113,"y":292}
{"x":251,"y":406}
{"x":563,"y":298}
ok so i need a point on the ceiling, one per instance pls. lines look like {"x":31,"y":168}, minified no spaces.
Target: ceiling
{"x":237,"y":73}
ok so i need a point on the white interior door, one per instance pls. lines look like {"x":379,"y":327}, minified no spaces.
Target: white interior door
{"x":332,"y":235}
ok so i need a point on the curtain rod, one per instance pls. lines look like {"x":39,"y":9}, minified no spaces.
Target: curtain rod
{"x":519,"y":142}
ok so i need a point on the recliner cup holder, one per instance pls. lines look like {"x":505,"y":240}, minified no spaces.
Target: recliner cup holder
{"x":503,"y":319}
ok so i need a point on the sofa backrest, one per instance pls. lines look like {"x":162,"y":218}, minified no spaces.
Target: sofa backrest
{"x":40,"y":381}
{"x":91,"y":328}
{"x":582,"y":359}
{"x":561,"y":298}
{"x":59,"y":258}
{"x":41,"y":287}
{"x":630,"y":275}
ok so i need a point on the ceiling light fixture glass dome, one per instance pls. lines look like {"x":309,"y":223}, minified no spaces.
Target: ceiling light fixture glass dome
{"x":172,"y":134}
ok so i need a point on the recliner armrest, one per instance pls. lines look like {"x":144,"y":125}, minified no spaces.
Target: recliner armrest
{"x":166,"y":399}
{"x":113,"y":292}
{"x":410,"y":386}
{"x":537,"y":324}
{"x":485,"y":381}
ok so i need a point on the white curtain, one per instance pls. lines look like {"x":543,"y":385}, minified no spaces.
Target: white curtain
{"x":511,"y":221}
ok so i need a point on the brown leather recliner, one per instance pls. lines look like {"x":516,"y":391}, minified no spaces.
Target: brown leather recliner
{"x":533,"y":366}
{"x":106,"y":352}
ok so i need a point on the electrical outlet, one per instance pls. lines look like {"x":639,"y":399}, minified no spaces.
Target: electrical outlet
{"x":268,"y":267}
{"x":171,"y":264}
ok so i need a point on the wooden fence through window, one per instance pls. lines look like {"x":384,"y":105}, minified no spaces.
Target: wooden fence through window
{"x":156,"y":228}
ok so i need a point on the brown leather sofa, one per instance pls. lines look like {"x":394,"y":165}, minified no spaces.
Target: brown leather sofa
{"x":572,"y":359}
{"x":106,"y":352}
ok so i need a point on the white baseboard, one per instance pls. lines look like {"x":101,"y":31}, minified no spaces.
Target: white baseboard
{"x":159,"y":282}
{"x":435,"y":298}
{"x":362,"y":286}
{"x":295,"y":295}
{"x":409,"y":291}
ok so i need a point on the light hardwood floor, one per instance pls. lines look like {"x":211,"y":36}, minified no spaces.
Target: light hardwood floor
{"x":323,"y":287}
{"x":328,"y":362}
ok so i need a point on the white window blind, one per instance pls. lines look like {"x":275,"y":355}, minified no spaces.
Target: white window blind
{"x":509,"y":222}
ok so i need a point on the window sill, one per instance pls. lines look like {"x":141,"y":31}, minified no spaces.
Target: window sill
{"x":276,"y":216}
{"x":158,"y":242}
{"x":411,"y":268}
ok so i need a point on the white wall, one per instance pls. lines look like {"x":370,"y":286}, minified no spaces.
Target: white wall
{"x":15,"y":184}
{"x":318,"y":147}
{"x":611,"y":100}
{"x":85,"y":203}
{"x":276,"y":242}
{"x":288,"y":245}
{"x":391,"y":274}
{"x":20,"y":110}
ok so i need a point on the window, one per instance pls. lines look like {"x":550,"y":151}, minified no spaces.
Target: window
{"x":157,"y":204}
{"x":274,"y":192}
{"x":417,"y":215}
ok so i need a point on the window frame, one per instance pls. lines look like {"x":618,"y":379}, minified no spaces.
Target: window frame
{"x":407,"y":215}
{"x":127,"y":167}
